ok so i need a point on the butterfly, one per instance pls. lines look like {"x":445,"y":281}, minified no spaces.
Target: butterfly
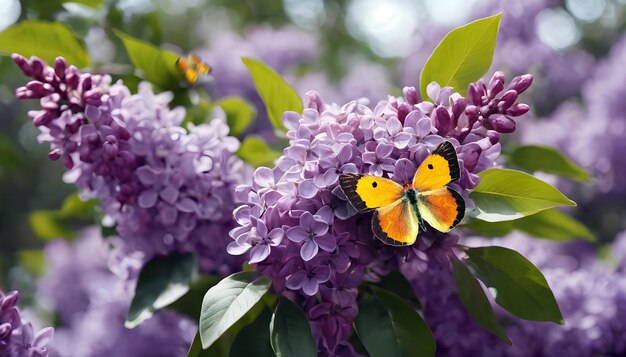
{"x":191,"y":67}
{"x":400,"y":211}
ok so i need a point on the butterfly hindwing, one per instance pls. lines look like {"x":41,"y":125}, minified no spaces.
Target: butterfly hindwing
{"x":438,"y":169}
{"x":368,"y":192}
{"x":443,"y":209}
{"x":396,"y":224}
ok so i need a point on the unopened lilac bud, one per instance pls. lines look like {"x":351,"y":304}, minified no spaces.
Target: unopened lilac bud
{"x":441,"y":120}
{"x":518,"y":109}
{"x":411,"y":95}
{"x":508,"y":99}
{"x":494,"y":136}
{"x":37,"y":67}
{"x":496,"y":85}
{"x":470,"y":153}
{"x":473,"y":95}
{"x":313,"y":100}
{"x":23,"y":64}
{"x":458,"y":105}
{"x":403,"y":110}
{"x":43,"y":118}
{"x":72,"y":79}
{"x":500,"y":123}
{"x":59,"y":67}
{"x":5,"y":331}
{"x":521,"y":83}
{"x":54,"y":155}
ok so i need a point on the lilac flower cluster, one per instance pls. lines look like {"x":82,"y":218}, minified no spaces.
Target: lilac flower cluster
{"x":589,"y":292}
{"x":299,"y":228}
{"x":92,"y":304}
{"x":17,"y":337}
{"x":166,"y":188}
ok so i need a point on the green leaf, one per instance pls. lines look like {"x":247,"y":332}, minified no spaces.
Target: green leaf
{"x":33,"y":260}
{"x":228,"y":301}
{"x":46,"y":40}
{"x":239,"y":113}
{"x":546,"y":159}
{"x":51,"y":224}
{"x":397,"y":283}
{"x":516,"y":284}
{"x":290,"y":333}
{"x":553,"y":224}
{"x":90,"y":3}
{"x":195,"y":350}
{"x":276,"y":94}
{"x":254,"y":339}
{"x":163,"y":280}
{"x":255,"y":151}
{"x":463,"y":56}
{"x":476,"y":302}
{"x":490,"y":229}
{"x":74,"y":207}
{"x":388,"y":326}
{"x":190,"y":304}
{"x":156,"y":65}
{"x":504,"y":195}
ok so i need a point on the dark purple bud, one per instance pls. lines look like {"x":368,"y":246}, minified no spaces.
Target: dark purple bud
{"x":500,"y":123}
{"x":521,"y":83}
{"x":59,"y":67}
{"x":37,"y":66}
{"x":494,"y":136}
{"x":518,"y":109}
{"x":110,"y":150}
{"x":9,"y":301}
{"x":86,"y":85}
{"x":496,"y":85}
{"x":67,"y":162}
{"x":72,"y":79}
{"x":54,"y":155}
{"x":43,"y":118}
{"x":473,"y":113}
{"x":458,"y":107}
{"x":23,"y":93}
{"x":40,"y":89}
{"x":411,"y":96}
{"x":70,"y":146}
{"x":441,"y":120}
{"x":23,"y":64}
{"x":403,"y":110}
{"x":474,"y":95}
{"x":508,"y":99}
{"x":127,"y":157}
{"x":5,"y":331}
{"x":470,"y":153}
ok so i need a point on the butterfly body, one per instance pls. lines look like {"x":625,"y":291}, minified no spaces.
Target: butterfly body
{"x":400,"y":211}
{"x":191,"y":67}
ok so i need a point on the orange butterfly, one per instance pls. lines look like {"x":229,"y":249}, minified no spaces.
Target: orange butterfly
{"x":400,"y":211}
{"x":192,"y":67}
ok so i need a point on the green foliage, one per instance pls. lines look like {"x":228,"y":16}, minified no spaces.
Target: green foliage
{"x":463,"y":56}
{"x":227,"y":302}
{"x":162,"y":281}
{"x":239,"y":113}
{"x":255,"y":151}
{"x":397,"y":284}
{"x":155,"y":65}
{"x":33,"y":260}
{"x":290,"y":333}
{"x":546,"y":159}
{"x":46,"y":40}
{"x":517,"y":285}
{"x":276,"y":94}
{"x":90,"y":3}
{"x":475,"y":301}
{"x":504,"y":195}
{"x":190,"y":304}
{"x":549,"y":224}
{"x":254,"y":339}
{"x":61,"y":223}
{"x":388,"y":326}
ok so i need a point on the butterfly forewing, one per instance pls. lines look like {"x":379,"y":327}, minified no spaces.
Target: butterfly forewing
{"x":369,"y":192}
{"x":396,"y":224}
{"x":438,"y":169}
{"x":192,"y":67}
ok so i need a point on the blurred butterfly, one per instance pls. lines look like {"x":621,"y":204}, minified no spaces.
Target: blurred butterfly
{"x":191,"y":67}
{"x":400,"y":211}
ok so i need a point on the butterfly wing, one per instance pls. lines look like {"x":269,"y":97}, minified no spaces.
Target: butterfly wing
{"x":396,"y":224}
{"x":438,"y":169}
{"x":368,"y":192}
{"x":191,"y":76}
{"x":443,"y":209}
{"x":199,"y":66}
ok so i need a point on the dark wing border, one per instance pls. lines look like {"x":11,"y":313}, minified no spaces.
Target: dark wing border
{"x":448,"y":152}
{"x":348,"y":183}
{"x":380,"y":234}
{"x":460,"y":208}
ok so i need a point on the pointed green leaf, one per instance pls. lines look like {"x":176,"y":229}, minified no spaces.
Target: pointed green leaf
{"x":239,"y":113}
{"x":547,"y":159}
{"x":504,"y":195}
{"x":516,"y":284}
{"x":155,"y":65}
{"x":46,"y":40}
{"x":254,"y":339}
{"x":475,"y":301}
{"x":255,"y":151}
{"x":388,"y":326}
{"x":90,"y":3}
{"x":290,"y":333}
{"x":463,"y":56}
{"x":190,"y":304}
{"x":228,"y":301}
{"x":162,"y":280}
{"x":553,"y":224}
{"x":490,"y":229}
{"x":276,"y":94}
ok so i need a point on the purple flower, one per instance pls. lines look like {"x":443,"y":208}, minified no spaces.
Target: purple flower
{"x":17,"y":337}
{"x":308,"y":278}
{"x":312,"y":234}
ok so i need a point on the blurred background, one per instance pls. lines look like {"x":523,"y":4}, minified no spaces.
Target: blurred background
{"x":344,"y":49}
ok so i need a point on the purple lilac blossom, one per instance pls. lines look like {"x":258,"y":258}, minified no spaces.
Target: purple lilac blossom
{"x":17,"y":337}
{"x":299,"y":228}
{"x":590,"y":295}
{"x":92,"y":303}
{"x":167,"y":188}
